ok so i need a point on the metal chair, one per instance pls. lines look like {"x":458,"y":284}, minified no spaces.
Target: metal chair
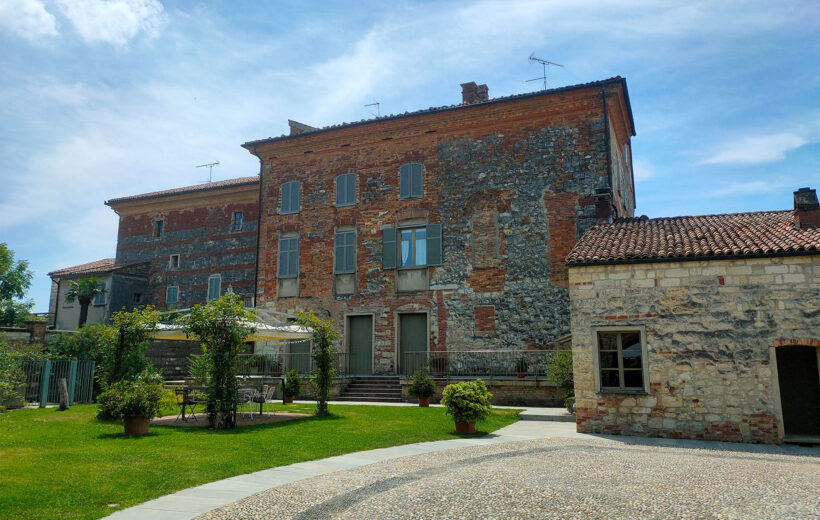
{"x":245,"y":397}
{"x":270,"y":398}
{"x":184,"y":400}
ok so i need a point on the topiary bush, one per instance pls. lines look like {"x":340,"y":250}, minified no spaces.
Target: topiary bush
{"x":292,"y":384}
{"x":559,"y":371}
{"x":422,"y":385}
{"x":468,"y":401}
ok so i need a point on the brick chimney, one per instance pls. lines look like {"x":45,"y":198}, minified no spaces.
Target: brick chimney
{"x":806,"y":209}
{"x":472,"y":93}
{"x":297,"y":128}
{"x":603,"y":205}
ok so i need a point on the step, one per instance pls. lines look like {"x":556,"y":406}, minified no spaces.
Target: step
{"x":550,"y":414}
{"x":370,"y":394}
{"x":376,"y":387}
{"x":371,"y":399}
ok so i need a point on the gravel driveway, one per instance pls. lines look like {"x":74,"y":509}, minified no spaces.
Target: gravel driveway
{"x":558,"y":478}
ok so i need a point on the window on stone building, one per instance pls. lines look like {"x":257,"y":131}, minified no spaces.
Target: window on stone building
{"x":290,"y":198}
{"x":289,"y":256}
{"x":99,"y":298}
{"x":346,"y":189}
{"x":137,"y":298}
{"x":417,"y":246}
{"x":411,"y":183}
{"x":622,"y":361}
{"x":237,"y":221}
{"x":214,"y":287}
{"x":344,"y":252}
{"x":171,"y":295}
{"x":173,"y":262}
{"x":158,"y":228}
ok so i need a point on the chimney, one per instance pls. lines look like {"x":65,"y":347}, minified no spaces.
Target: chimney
{"x":472,"y":93}
{"x":603,"y":205}
{"x":299,"y":128}
{"x":806,"y":209}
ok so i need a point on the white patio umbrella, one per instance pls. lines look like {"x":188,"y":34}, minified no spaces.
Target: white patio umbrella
{"x":264,"y":332}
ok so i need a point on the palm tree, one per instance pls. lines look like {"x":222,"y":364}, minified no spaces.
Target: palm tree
{"x":84,"y":291}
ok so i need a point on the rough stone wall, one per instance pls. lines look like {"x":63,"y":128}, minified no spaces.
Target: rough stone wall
{"x":200,"y":232}
{"x":506,"y":392}
{"x":510,"y":183}
{"x":709,"y":329}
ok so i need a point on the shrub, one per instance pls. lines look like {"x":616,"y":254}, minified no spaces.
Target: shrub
{"x":95,"y":342}
{"x":199,"y":369}
{"x":12,"y":376}
{"x":468,"y":401}
{"x":323,"y":356}
{"x":141,"y":397}
{"x":127,"y":358}
{"x":422,"y":385}
{"x":521,"y":366}
{"x":559,"y":371}
{"x":292,"y":384}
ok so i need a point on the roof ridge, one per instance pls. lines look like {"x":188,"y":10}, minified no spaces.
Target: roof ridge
{"x":704,"y":215}
{"x":236,"y":181}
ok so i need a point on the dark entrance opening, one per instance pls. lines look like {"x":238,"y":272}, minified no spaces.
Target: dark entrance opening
{"x":797,"y":374}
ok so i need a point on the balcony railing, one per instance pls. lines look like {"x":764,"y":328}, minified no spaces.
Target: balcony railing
{"x":478,"y":363}
{"x":275,"y":365}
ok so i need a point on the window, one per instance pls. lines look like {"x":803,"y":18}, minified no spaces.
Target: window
{"x":158,"y":228}
{"x":214,"y":287}
{"x":346,"y":189}
{"x":137,"y":298}
{"x":173,"y":262}
{"x":621,"y":360}
{"x":289,"y":257}
{"x":290,"y":198}
{"x":413,"y":247}
{"x":237,"y":221}
{"x":171,"y":295}
{"x":99,"y":298}
{"x":345,"y":252}
{"x":417,"y":246}
{"x":410,"y":180}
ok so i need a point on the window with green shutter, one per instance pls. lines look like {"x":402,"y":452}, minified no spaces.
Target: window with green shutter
{"x":417,"y":246}
{"x":345,"y":252}
{"x":346,"y":189}
{"x":214,"y":287}
{"x":171,"y":295}
{"x":411,"y":180}
{"x":289,"y":257}
{"x":290,"y":198}
{"x":389,"y":248}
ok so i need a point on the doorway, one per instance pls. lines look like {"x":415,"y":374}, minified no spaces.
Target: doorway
{"x":412,"y":342}
{"x":360,"y":344}
{"x":797,"y":375}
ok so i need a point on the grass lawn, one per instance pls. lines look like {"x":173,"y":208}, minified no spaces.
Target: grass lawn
{"x":69,"y":465}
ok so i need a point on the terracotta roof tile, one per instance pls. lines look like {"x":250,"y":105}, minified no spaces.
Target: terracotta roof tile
{"x":187,"y":189}
{"x":100,"y":266}
{"x":764,"y":233}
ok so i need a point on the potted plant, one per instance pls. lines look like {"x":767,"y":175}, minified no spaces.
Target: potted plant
{"x":422,"y":387}
{"x":467,"y":403}
{"x":291,"y":386}
{"x":521,"y":367}
{"x":136,"y":402}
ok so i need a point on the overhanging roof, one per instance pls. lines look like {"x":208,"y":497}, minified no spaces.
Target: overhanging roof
{"x":264,"y":332}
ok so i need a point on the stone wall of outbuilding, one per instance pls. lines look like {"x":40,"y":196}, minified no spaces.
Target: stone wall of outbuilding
{"x":711,"y":331}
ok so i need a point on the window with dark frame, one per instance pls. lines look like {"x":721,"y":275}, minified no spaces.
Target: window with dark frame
{"x":620,"y":360}
{"x":290,"y":198}
{"x":137,"y":297}
{"x":173,"y":262}
{"x":288,"y":257}
{"x":171,"y":295}
{"x":345,"y":252}
{"x":158,"y":228}
{"x":413,"y":247}
{"x":99,"y":298}
{"x":346,"y":189}
{"x":237,"y":221}
{"x":411,"y":183}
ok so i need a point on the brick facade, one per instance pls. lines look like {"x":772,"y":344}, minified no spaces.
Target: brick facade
{"x":712,"y":329}
{"x":511,"y":182}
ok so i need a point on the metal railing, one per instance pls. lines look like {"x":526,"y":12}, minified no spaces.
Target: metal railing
{"x":275,"y":365}
{"x":43,"y":376}
{"x":478,"y":363}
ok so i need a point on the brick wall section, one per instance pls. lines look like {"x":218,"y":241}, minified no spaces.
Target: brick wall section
{"x":709,"y":329}
{"x":506,"y":392}
{"x":484,"y":319}
{"x":501,"y":170}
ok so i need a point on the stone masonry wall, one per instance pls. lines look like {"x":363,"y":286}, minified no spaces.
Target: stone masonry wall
{"x":511,"y":184}
{"x":709,"y":329}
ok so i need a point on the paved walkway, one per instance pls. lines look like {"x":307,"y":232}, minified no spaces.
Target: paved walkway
{"x":527,"y":469}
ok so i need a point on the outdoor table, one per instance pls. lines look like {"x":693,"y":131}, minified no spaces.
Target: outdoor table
{"x":186,"y":398}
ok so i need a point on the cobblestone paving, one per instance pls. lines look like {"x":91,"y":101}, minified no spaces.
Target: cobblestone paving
{"x":557,"y":478}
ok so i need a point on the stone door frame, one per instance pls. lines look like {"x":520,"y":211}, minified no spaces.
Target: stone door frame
{"x":372,"y":315}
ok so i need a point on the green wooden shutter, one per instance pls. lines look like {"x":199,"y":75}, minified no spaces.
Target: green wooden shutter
{"x":416,"y":184}
{"x":404,"y":181}
{"x":351,"y":188}
{"x":295,"y":200}
{"x":389,"y":248}
{"x":434,"y":244}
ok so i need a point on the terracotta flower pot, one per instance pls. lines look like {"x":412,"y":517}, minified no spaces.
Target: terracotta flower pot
{"x":465,"y":427}
{"x":424,"y":401}
{"x":135,"y":425}
{"x":288,"y":399}
{"x":522,"y":375}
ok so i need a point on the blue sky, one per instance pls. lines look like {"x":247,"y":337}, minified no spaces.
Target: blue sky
{"x":101,"y":99}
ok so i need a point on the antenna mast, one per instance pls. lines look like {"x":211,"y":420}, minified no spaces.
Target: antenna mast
{"x":210,"y":167}
{"x":378,"y":111}
{"x":544,"y":64}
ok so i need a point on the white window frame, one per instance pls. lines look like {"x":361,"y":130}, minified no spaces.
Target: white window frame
{"x":171,"y":261}
{"x":167,"y":289}
{"x":219,"y":290}
{"x":644,"y":359}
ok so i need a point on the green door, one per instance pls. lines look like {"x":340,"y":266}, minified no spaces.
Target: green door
{"x":361,"y":344}
{"x":299,"y":358}
{"x":412,"y":342}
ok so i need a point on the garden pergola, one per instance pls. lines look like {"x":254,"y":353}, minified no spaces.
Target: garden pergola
{"x":262,"y":332}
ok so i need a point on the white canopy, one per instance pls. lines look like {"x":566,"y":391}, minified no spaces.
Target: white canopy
{"x":264,"y":332}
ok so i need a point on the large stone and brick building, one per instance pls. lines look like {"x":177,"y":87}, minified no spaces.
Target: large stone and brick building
{"x":442,"y":229}
{"x":704,"y":327}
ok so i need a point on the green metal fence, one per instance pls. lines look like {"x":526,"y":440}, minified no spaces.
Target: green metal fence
{"x":43,"y":377}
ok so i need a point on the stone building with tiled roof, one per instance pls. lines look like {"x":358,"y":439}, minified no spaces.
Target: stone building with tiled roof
{"x":703,"y":327}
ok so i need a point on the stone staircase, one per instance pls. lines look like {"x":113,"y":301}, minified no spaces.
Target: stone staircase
{"x":374,"y":389}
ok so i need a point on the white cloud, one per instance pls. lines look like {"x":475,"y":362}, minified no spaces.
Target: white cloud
{"x":746,"y":188}
{"x":27,"y":18}
{"x":755,"y":150}
{"x":643,"y":170}
{"x":113,"y":21}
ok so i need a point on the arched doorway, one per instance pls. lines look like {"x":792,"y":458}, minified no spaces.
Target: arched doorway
{"x":798,"y":378}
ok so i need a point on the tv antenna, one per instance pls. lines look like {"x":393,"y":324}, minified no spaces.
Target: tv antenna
{"x":378,"y":111}
{"x":210,"y":167}
{"x":544,"y":64}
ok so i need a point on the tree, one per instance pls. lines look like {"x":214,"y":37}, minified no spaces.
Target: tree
{"x":323,"y":356}
{"x":559,"y":371}
{"x":127,"y":359}
{"x":222,"y":327}
{"x":84,"y":291}
{"x":15,"y":279}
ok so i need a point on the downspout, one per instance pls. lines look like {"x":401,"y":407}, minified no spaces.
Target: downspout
{"x":57,"y":303}
{"x":608,"y":144}
{"x":258,"y":230}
